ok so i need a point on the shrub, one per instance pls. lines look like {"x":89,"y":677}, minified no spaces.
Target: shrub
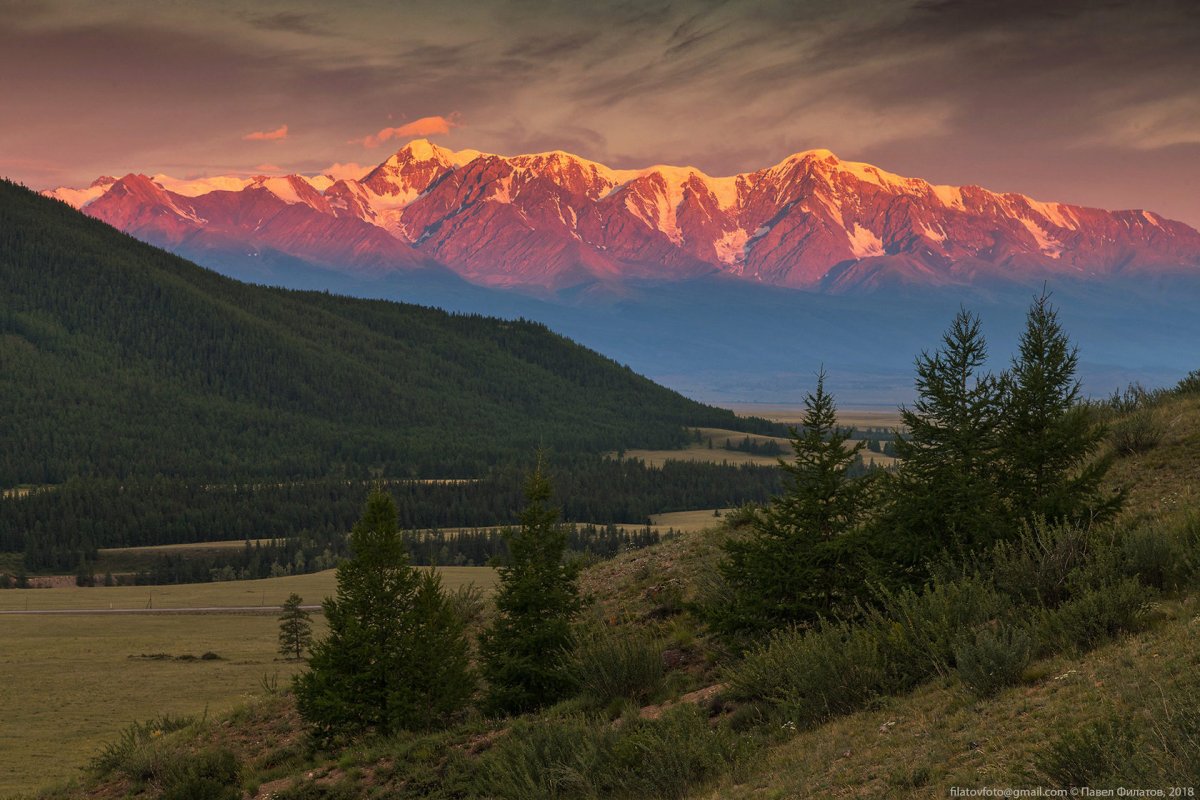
{"x":575,"y":757}
{"x":129,"y":754}
{"x":1165,"y":557}
{"x":550,"y":759}
{"x":1098,"y":754}
{"x":995,"y":658}
{"x":468,"y":603}
{"x":1096,"y":613}
{"x":923,"y":629}
{"x":1037,"y":565}
{"x":814,"y":674}
{"x":1175,"y":736}
{"x":1190,"y":383}
{"x":616,"y":664}
{"x":840,"y":667}
{"x":1137,"y":432}
{"x":668,"y":757}
{"x":210,"y":774}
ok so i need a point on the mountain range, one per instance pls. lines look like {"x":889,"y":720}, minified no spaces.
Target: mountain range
{"x":729,"y":289}
{"x":553,"y":221}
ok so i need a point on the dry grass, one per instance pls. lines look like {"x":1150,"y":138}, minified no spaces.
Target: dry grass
{"x":687,"y":521}
{"x":269,"y":592}
{"x":923,"y":744}
{"x":792,"y":415}
{"x":70,"y":683}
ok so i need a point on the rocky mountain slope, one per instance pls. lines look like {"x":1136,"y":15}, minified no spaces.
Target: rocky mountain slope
{"x":553,"y":221}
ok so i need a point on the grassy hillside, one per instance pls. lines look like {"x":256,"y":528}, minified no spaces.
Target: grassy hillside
{"x":118,"y":359}
{"x":1114,"y":704}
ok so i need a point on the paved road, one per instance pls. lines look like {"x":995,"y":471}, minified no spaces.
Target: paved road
{"x":197,"y":610}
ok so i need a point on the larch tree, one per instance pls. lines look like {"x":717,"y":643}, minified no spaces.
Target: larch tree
{"x":396,"y":656}
{"x":295,"y":627}
{"x":1048,"y":439}
{"x":797,"y":562}
{"x":524,"y":650}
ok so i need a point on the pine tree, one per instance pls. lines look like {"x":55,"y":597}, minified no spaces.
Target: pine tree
{"x":1047,"y":437}
{"x":523,"y":652}
{"x":945,"y":494}
{"x":796,"y":563}
{"x":295,"y":628}
{"x":394,"y":657}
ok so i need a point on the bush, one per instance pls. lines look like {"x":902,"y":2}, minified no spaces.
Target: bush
{"x":1166,"y":558}
{"x":1096,"y":613}
{"x":669,"y":757}
{"x":1138,"y":432}
{"x":1190,"y":383}
{"x":131,"y":754}
{"x":923,"y":629}
{"x":815,"y":674}
{"x":1098,"y":754}
{"x":840,"y":667}
{"x":549,"y":759}
{"x":1037,"y":565}
{"x":994,"y":659}
{"x":210,"y":774}
{"x":615,"y":664}
{"x":575,"y":757}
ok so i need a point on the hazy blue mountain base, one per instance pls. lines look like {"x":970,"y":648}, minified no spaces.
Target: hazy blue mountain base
{"x":726,"y":341}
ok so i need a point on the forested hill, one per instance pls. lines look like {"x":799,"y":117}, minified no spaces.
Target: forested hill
{"x":118,"y":359}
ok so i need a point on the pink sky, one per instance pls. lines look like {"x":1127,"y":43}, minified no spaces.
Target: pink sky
{"x":1073,"y":101}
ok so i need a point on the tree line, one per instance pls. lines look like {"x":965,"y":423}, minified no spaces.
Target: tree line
{"x":62,"y":527}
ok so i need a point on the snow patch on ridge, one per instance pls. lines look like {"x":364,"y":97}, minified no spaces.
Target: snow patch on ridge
{"x":864,"y":243}
{"x":731,"y":247}
{"x":1047,"y":244}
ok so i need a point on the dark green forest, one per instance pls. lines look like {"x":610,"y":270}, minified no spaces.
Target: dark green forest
{"x":56,"y":527}
{"x":134,"y":382}
{"x":118,"y":359}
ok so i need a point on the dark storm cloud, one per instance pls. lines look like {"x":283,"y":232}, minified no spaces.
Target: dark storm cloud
{"x":1090,"y":102}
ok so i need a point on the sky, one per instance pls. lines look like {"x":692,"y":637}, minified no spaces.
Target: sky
{"x":1084,"y":101}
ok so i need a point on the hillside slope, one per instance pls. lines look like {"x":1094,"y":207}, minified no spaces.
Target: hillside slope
{"x":1122,"y":711}
{"x":118,"y":359}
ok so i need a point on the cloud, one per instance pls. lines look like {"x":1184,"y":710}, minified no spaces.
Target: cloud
{"x":425,"y":126}
{"x":349,"y":170}
{"x":268,"y":168}
{"x":267,"y":136}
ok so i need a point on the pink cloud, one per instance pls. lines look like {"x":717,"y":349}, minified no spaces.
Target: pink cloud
{"x":350,"y":169}
{"x":268,"y":168}
{"x":267,"y":136}
{"x":425,"y":126}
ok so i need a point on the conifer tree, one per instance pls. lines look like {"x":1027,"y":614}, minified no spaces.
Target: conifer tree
{"x":797,"y":562}
{"x":523,"y":652}
{"x":944,"y":495}
{"x":295,"y":628}
{"x":1047,"y":437}
{"x":396,"y":656}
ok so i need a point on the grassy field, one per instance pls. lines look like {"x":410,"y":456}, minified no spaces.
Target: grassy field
{"x":266,"y":592}
{"x":717,"y":454}
{"x":792,"y":415}
{"x":70,"y":683}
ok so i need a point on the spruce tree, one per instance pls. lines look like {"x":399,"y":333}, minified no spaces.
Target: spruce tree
{"x":945,"y":494}
{"x":523,"y":651}
{"x":395,"y":656}
{"x":1048,"y":438}
{"x":797,"y":561}
{"x":295,"y":628}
